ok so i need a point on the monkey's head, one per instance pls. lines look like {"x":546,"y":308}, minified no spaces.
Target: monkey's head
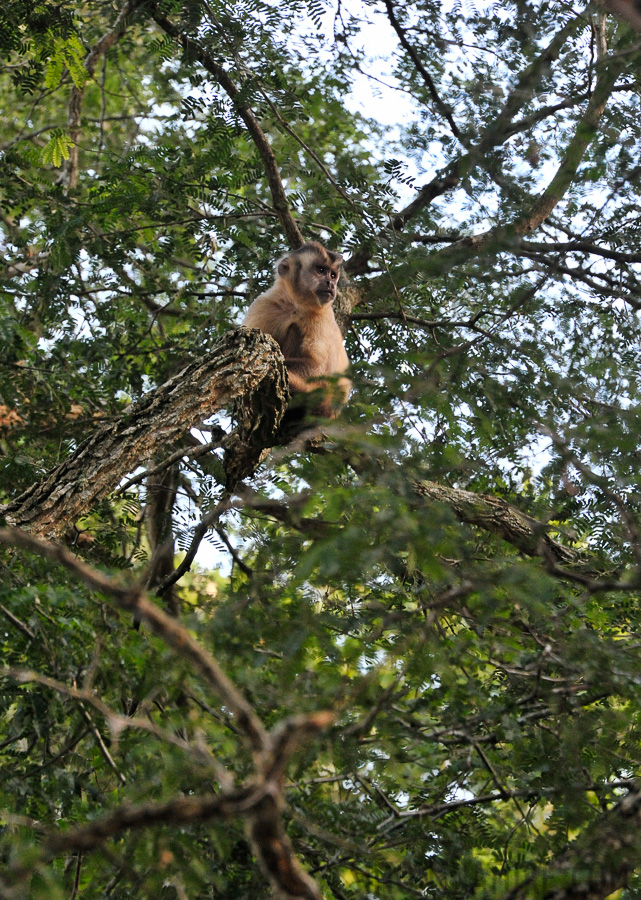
{"x":312,"y":272}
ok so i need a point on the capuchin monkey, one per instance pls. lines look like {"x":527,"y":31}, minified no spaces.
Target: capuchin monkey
{"x":297,"y":312}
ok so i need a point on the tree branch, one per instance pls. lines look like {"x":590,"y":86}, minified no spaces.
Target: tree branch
{"x":194,"y":49}
{"x":499,"y":130}
{"x":503,"y":236}
{"x":581,"y":247}
{"x":495,"y":134}
{"x":525,"y":533}
{"x":259,"y":801}
{"x":116,"y":721}
{"x":244,"y":369}
{"x":70,"y":174}
{"x":425,"y":75}
{"x":168,"y":629}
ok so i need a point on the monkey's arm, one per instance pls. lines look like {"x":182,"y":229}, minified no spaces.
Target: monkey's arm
{"x":300,"y":364}
{"x":270,"y":314}
{"x":304,"y":372}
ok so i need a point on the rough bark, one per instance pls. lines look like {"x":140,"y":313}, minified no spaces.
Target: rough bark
{"x":244,"y":369}
{"x":498,"y":517}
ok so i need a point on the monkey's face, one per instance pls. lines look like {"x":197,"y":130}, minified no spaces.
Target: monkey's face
{"x":319,"y":278}
{"x":312,"y":274}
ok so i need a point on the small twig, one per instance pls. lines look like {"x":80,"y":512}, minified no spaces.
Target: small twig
{"x":19,"y":624}
{"x":425,"y":75}
{"x":207,"y":521}
{"x":116,"y":721}
{"x":172,"y":458}
{"x":101,"y":744}
{"x":244,"y":568}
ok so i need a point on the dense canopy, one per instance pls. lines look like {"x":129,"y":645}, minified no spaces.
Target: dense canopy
{"x":397,"y":656}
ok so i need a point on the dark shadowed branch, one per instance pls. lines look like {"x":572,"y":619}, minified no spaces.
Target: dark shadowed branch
{"x":259,"y":802}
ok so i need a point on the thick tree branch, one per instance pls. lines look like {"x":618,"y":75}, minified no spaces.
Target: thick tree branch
{"x":528,"y":535}
{"x":195,"y":50}
{"x":244,"y":369}
{"x":258,"y":803}
{"x":495,"y":134}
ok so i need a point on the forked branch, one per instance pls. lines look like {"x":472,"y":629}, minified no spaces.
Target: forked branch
{"x":259,"y":801}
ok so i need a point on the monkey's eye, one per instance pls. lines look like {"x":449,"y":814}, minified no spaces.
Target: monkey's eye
{"x":321,"y":269}
{"x":334,"y":275}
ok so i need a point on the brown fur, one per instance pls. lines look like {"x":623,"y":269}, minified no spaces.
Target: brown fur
{"x":297,"y":312}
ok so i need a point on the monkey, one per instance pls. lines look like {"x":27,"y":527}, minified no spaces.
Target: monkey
{"x":297,"y":312}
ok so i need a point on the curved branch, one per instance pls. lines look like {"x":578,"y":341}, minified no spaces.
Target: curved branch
{"x":503,"y":236}
{"x":132,"y":599}
{"x":525,"y":533}
{"x":259,"y":801}
{"x":581,"y":246}
{"x":194,"y":49}
{"x":425,"y":75}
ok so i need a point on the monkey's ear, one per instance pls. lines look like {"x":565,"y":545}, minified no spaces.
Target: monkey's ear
{"x":283,"y":267}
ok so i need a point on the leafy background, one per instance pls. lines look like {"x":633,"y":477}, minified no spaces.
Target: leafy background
{"x":485,"y":693}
